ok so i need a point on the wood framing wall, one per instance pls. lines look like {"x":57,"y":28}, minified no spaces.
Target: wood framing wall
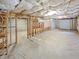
{"x":34,"y":27}
{"x":3,"y":34}
{"x":13,"y":25}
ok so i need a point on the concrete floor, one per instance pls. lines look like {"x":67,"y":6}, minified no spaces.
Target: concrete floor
{"x":54,"y":44}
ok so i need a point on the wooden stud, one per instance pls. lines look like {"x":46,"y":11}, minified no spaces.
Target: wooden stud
{"x":16,"y":36}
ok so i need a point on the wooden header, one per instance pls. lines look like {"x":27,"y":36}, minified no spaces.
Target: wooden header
{"x":18,"y":15}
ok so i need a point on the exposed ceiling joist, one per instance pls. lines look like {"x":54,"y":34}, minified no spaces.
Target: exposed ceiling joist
{"x":18,"y":4}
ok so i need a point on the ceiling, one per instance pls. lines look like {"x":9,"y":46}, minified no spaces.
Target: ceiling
{"x":69,"y":8}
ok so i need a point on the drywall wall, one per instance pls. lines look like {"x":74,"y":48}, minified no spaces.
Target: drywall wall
{"x":64,"y":24}
{"x":47,"y":23}
{"x":22,"y":29}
